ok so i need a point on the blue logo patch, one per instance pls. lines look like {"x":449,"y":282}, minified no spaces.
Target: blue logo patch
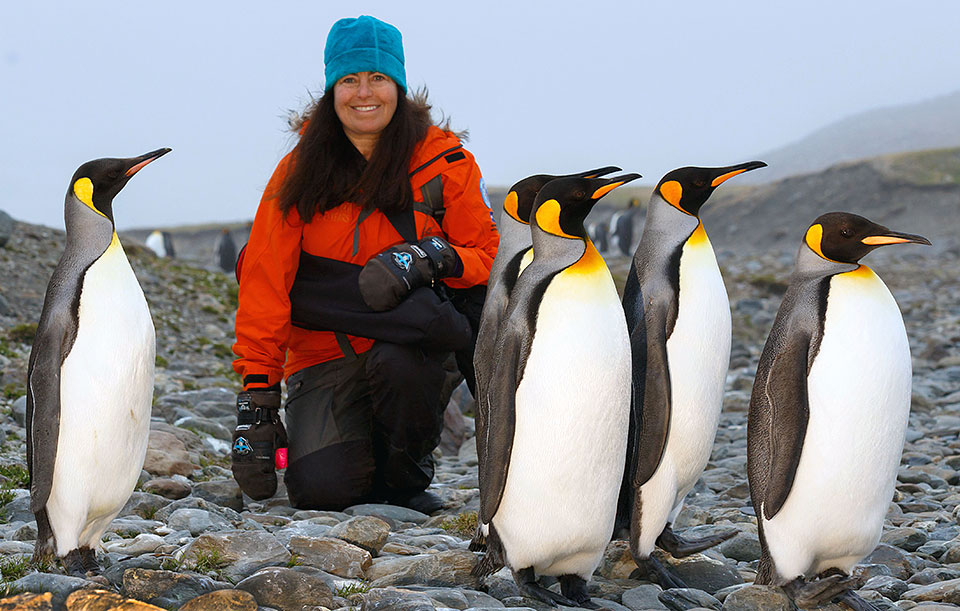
{"x":483,"y":194}
{"x":241,"y":447}
{"x":402,"y":260}
{"x":437,"y":243}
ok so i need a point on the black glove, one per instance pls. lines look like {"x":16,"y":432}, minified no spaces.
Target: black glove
{"x":258,"y":435}
{"x":389,"y":277}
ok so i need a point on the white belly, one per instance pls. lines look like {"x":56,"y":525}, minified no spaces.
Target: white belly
{"x":698,"y":354}
{"x":859,"y":400}
{"x":106,"y":391}
{"x":572,"y":410}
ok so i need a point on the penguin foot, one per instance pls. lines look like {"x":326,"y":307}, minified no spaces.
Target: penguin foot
{"x":661,"y":574}
{"x":810,"y":594}
{"x":680,"y":547}
{"x":73,"y":564}
{"x":88,"y":560}
{"x":852,"y":599}
{"x":574,"y":587}
{"x":527,"y":584}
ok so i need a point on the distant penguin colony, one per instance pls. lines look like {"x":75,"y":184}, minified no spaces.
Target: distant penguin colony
{"x":90,"y":376}
{"x":829,"y":413}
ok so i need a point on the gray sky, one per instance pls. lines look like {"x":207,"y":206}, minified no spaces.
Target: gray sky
{"x":542,"y":86}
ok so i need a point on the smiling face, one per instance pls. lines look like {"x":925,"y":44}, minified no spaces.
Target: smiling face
{"x":365,"y":103}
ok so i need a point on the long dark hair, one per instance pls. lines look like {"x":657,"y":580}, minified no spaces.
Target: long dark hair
{"x":328,"y":170}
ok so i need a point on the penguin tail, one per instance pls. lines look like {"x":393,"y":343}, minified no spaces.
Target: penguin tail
{"x":479,"y":542}
{"x":493,"y":557}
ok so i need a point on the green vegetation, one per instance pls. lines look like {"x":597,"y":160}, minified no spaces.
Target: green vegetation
{"x":349,"y":589}
{"x":162,"y":362}
{"x":23,"y":333}
{"x":294,"y":561}
{"x":15,"y":476}
{"x":936,"y":167}
{"x":14,"y":390}
{"x":769,"y":283}
{"x":463,"y":524}
{"x":13,"y":568}
{"x":223,"y":351}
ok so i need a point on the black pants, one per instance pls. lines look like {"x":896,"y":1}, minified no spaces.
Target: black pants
{"x":363,"y":428}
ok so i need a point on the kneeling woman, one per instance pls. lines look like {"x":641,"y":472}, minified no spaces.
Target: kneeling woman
{"x":372,"y":208}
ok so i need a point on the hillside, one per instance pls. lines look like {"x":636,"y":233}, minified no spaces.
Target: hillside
{"x":931,"y":124}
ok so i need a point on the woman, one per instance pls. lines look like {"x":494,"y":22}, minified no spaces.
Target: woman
{"x":335,"y":287}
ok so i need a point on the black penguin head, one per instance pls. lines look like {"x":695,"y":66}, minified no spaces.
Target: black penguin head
{"x":687,"y":189}
{"x":522,"y":195}
{"x":563,"y":204}
{"x":97,"y":182}
{"x":845,"y":238}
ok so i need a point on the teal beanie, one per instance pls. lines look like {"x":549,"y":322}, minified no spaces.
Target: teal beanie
{"x":364,"y":44}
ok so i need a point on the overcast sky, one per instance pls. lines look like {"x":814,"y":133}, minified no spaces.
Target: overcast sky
{"x":542,"y":86}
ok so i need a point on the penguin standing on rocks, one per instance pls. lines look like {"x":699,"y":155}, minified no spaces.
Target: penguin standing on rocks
{"x":558,"y":400}
{"x":90,"y":376}
{"x":679,"y":319}
{"x":515,"y":241}
{"x":226,"y":251}
{"x":828,"y":414}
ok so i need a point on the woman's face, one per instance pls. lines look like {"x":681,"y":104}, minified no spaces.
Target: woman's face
{"x":365,"y":103}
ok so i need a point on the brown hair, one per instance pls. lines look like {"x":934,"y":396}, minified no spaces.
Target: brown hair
{"x":328,"y":170}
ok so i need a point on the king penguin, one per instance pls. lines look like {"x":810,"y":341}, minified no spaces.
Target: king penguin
{"x":90,"y":376}
{"x":559,"y":401}
{"x":515,"y":241}
{"x":828,"y":413}
{"x":679,"y":320}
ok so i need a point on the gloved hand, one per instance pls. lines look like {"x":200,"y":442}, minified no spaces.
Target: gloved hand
{"x":258,"y":435}
{"x":389,"y":277}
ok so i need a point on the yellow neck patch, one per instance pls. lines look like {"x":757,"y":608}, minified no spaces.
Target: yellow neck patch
{"x":814,"y":238}
{"x":589,"y":263}
{"x":699,"y":236}
{"x":83,"y":189}
{"x":511,"y":205}
{"x":672,"y":192}
{"x":861,"y":273}
{"x":548,"y":218}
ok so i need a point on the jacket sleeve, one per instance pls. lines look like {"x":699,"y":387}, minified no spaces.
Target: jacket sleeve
{"x":269,"y":266}
{"x":468,"y":222}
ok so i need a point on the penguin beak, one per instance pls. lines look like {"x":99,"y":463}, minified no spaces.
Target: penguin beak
{"x":598,"y":172}
{"x":613,"y":183}
{"x":137,"y":163}
{"x":727,"y":173}
{"x":894,"y":237}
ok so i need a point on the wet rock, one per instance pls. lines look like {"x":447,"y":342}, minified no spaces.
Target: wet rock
{"x":681,"y":599}
{"x":28,"y":601}
{"x":389,"y":599}
{"x":144,"y":543}
{"x":143,"y":504}
{"x":167,"y":455}
{"x":745,"y":547}
{"x":196,"y":521}
{"x":933,"y":575}
{"x":757,"y":598}
{"x":367,"y":532}
{"x":388,"y":513}
{"x":286,"y":589}
{"x":18,"y":510}
{"x":222,"y":600}
{"x":164,"y":588}
{"x":19,"y":411}
{"x":889,"y":587}
{"x":60,"y":586}
{"x":701,"y":573}
{"x":167,"y":488}
{"x":908,"y":539}
{"x":450,"y":569}
{"x":224,"y":493}
{"x":891,"y":557}
{"x":242,"y":552}
{"x":642,"y":597}
{"x":102,"y":600}
{"x":331,"y":555}
{"x":943,"y":592}
{"x":617,"y":562}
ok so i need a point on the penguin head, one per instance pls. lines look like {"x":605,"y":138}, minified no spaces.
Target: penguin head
{"x":97,"y":182}
{"x":563,"y":204}
{"x":687,"y":189}
{"x":522,"y":195}
{"x":846,"y":238}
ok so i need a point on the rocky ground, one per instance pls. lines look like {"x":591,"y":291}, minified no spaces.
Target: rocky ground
{"x":188,"y":539}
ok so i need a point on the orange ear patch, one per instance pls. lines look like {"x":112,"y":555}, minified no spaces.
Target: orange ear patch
{"x":672,"y":192}
{"x":548,"y":219}
{"x":814,"y":239}
{"x":511,"y":205}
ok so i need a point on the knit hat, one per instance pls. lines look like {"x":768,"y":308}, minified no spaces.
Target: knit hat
{"x":364,"y":44}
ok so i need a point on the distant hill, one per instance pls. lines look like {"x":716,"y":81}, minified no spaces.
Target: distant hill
{"x":931,"y":124}
{"x":912,"y":192}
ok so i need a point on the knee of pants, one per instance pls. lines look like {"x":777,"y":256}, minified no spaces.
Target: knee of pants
{"x":332,"y":478}
{"x":396,"y":364}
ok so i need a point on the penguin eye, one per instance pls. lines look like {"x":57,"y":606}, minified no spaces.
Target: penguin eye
{"x":580,"y":194}
{"x":699,"y":183}
{"x":113,"y":175}
{"x":846,"y":232}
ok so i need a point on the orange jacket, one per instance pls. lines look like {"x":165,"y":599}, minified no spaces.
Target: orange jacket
{"x":268,"y":345}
